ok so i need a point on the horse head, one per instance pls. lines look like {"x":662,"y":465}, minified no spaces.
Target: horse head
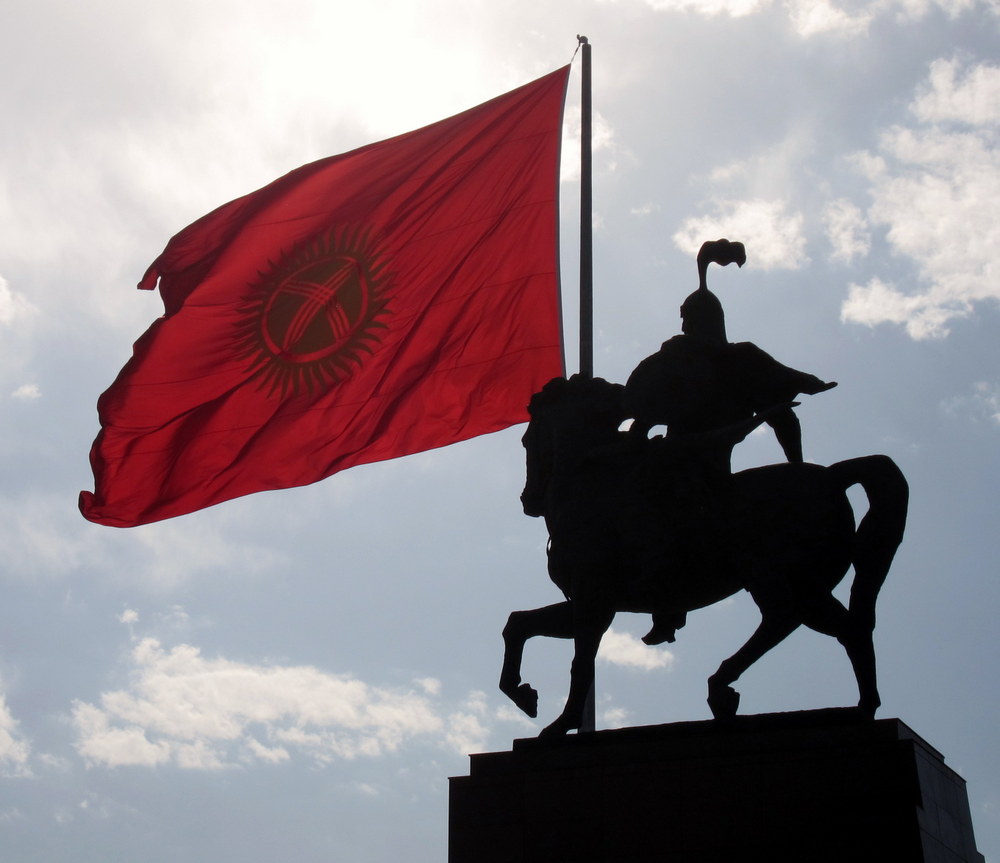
{"x":569,"y":419}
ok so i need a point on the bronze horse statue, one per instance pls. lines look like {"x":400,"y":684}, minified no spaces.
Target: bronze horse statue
{"x":641,"y":528}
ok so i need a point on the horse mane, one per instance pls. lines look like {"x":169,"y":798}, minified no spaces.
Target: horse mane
{"x":599,"y":395}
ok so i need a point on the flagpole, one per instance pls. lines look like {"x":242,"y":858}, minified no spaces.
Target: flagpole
{"x":586,"y":222}
{"x":589,"y":719}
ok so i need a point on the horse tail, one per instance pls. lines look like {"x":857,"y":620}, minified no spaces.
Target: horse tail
{"x":881,"y":530}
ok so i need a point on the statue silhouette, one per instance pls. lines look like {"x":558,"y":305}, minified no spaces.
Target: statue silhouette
{"x":661,"y":526}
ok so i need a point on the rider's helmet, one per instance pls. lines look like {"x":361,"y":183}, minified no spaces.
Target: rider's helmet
{"x":702,"y":316}
{"x":701,"y":312}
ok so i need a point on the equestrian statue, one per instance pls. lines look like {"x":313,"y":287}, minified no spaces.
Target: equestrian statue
{"x":662,"y":526}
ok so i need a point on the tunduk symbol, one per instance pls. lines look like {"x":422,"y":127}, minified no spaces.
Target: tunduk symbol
{"x":315,"y":316}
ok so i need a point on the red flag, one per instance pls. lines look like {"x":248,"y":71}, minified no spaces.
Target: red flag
{"x":397,"y":298}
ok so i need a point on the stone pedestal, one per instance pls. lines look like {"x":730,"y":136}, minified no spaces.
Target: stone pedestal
{"x":805,"y":787}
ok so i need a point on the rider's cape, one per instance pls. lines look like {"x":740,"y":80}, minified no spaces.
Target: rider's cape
{"x":695,"y":385}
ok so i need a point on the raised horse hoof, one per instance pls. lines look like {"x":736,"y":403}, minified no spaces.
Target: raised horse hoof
{"x":723,"y":700}
{"x":527,"y":699}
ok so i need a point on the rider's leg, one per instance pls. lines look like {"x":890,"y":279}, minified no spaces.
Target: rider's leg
{"x":664,"y":628}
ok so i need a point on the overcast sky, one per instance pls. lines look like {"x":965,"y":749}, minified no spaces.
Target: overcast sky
{"x":296,"y":674}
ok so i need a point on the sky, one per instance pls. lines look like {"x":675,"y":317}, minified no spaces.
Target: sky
{"x":299,"y":672}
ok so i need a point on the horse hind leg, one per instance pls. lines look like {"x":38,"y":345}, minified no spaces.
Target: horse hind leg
{"x":827,"y":615}
{"x":775,"y":626}
{"x":881,"y":530}
{"x":554,"y":621}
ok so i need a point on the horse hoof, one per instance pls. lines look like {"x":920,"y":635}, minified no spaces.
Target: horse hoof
{"x":527,"y":699}
{"x":723,"y":701}
{"x":868,"y":708}
{"x":559,"y":728}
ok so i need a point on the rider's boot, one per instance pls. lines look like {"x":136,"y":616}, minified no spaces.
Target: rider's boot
{"x":665,"y":626}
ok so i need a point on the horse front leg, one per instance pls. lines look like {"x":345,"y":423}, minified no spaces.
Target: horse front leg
{"x":554,"y":621}
{"x":589,"y":630}
{"x":774,"y":628}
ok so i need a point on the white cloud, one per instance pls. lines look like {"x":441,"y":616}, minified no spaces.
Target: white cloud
{"x":987,"y":396}
{"x":466,"y":730}
{"x":774,"y":172}
{"x":614,"y":717}
{"x":13,"y":305}
{"x":620,"y":648}
{"x":197,"y":713}
{"x":14,"y":749}
{"x":877,"y":302}
{"x":711,"y":8}
{"x":272,"y":755}
{"x":984,"y":401}
{"x":975,"y":99}
{"x":936,"y":191}
{"x":27,"y":392}
{"x":914,"y":10}
{"x":773,"y":237}
{"x":817,"y":17}
{"x":54,"y":762}
{"x":847,"y":230}
{"x":602,"y":144}
{"x":822,"y":17}
{"x":509,"y":713}
{"x":466,"y":733}
{"x":430,"y":685}
{"x":42,"y":537}
{"x":923,"y":315}
{"x":100,"y":743}
{"x":646,"y":209}
{"x":180,"y":550}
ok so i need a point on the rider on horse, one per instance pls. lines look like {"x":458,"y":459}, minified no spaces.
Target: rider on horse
{"x":699,"y":382}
